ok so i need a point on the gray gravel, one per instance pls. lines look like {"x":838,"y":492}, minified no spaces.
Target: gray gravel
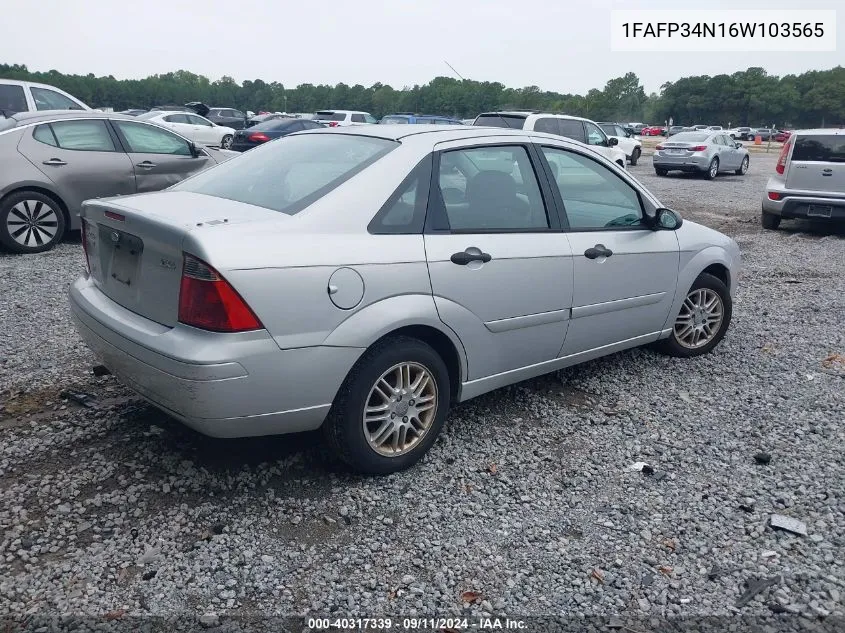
{"x":524,"y":506}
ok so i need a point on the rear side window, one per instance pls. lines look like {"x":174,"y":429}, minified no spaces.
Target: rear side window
{"x":394,"y":120}
{"x":357,"y":118}
{"x":573,"y":129}
{"x":12,"y":99}
{"x":501,"y":120}
{"x":88,"y":136}
{"x":820,"y":148}
{"x":290,"y":174}
{"x":330,"y":116}
{"x":404,"y":211}
{"x":176,"y":118}
{"x":43,"y":134}
{"x":547,"y":124}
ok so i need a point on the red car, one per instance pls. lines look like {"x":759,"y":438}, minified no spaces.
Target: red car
{"x":654,"y":130}
{"x":781,"y":136}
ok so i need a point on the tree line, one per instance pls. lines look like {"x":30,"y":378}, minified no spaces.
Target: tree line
{"x":749,"y":97}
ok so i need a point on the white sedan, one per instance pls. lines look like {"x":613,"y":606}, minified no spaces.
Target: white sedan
{"x":194,"y":127}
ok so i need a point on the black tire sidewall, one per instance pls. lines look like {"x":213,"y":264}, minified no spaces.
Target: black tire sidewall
{"x":707,"y":174}
{"x":745,"y":162}
{"x":635,"y":156}
{"x":704,"y":280}
{"x":8,"y":242}
{"x":344,"y":424}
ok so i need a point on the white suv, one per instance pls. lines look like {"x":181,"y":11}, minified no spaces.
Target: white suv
{"x":626,"y":141}
{"x":341,"y":118}
{"x":584,"y":130}
{"x":26,"y":96}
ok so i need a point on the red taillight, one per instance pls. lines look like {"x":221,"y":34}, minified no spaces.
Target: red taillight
{"x":111,"y":215}
{"x":85,"y":244}
{"x":207,"y":301}
{"x":774,"y":195}
{"x":782,"y":159}
{"x":659,"y":147}
{"x":258,"y":137}
{"x":698,"y":148}
{"x":333,"y":123}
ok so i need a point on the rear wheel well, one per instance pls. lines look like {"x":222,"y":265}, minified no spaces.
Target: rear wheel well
{"x":441,"y":344}
{"x":719,"y":272}
{"x":49,"y":194}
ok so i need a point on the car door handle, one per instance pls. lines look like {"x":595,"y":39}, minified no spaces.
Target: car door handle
{"x":145,"y":165}
{"x":462,"y":258}
{"x":599,"y":250}
{"x":54,"y":162}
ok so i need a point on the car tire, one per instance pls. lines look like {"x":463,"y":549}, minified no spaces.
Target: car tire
{"x":635,"y":156}
{"x":770,"y":221}
{"x":660,"y":172}
{"x":705,"y":288}
{"x":30,"y":222}
{"x":350,"y":435}
{"x":712,"y":169}
{"x":743,"y":168}
{"x":226,"y":143}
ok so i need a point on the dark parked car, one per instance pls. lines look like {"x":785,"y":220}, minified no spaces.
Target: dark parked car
{"x":261,"y":118}
{"x":227,"y":117}
{"x":676,"y":129}
{"x":269,"y":130}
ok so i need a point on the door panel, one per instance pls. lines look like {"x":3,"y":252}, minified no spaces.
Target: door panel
{"x":84,"y":172}
{"x":500,"y":275}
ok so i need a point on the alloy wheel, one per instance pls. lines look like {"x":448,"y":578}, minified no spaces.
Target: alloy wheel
{"x":714,"y":168}
{"x":700,"y":318}
{"x":744,"y":166}
{"x":226,"y":143}
{"x":32,"y":223}
{"x":400,"y":409}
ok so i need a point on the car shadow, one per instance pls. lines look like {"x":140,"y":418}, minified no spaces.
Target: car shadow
{"x":813,"y":228}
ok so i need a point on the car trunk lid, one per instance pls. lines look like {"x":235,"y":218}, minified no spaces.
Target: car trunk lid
{"x":135,"y":245}
{"x":817,"y":163}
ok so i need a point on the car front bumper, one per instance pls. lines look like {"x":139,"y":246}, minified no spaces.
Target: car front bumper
{"x":681,"y":163}
{"x":798,"y":207}
{"x":222,"y":385}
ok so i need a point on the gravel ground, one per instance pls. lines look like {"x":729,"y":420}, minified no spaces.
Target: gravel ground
{"x":524,"y":506}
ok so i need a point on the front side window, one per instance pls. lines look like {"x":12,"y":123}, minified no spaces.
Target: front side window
{"x":87,"y":136}
{"x":149,"y":139}
{"x":238,"y":114}
{"x":490,"y":189}
{"x":12,"y":99}
{"x":573,"y":129}
{"x":51,"y":100}
{"x":368,"y":118}
{"x":194,"y":119}
{"x":290,"y":174}
{"x":593,"y":196}
{"x":594,"y":134}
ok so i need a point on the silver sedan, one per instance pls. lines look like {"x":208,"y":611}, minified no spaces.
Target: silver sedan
{"x":365,"y":279}
{"x":51,"y":161}
{"x":705,"y":152}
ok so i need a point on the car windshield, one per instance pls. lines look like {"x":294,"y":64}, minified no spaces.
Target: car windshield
{"x":290,"y":174}
{"x":330,"y":116}
{"x":687,"y":137}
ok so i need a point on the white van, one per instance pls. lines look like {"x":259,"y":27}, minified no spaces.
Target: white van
{"x":26,"y":96}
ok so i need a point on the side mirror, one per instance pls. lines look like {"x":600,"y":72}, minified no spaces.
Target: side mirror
{"x":738,"y":145}
{"x":666,"y":220}
{"x":195,"y":152}
{"x":611,"y":141}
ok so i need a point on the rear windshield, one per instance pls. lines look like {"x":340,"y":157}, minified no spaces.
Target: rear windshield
{"x":819,"y":148}
{"x":330,"y":116}
{"x":394,"y":119}
{"x":272,"y":124}
{"x":290,"y":174}
{"x":690,"y":137}
{"x":501,"y":120}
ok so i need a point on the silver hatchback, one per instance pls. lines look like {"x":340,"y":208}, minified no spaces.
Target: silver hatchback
{"x":365,"y":279}
{"x":705,"y":152}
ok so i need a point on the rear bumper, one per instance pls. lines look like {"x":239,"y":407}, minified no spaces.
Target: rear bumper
{"x":689,"y":163}
{"x":798,"y":207}
{"x":223,"y":385}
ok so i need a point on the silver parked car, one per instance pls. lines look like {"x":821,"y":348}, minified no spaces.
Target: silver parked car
{"x":51,"y":161}
{"x":704,"y":152}
{"x":327,"y":279}
{"x":809,"y":180}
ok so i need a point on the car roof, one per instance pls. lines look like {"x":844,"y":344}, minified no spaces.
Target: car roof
{"x":432,"y":133}
{"x":827,"y":131}
{"x":526,"y":114}
{"x":24,"y":118}
{"x":344,"y":111}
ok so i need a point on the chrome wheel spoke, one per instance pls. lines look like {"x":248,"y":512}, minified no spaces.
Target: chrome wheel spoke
{"x":699,"y":319}
{"x":32,"y":223}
